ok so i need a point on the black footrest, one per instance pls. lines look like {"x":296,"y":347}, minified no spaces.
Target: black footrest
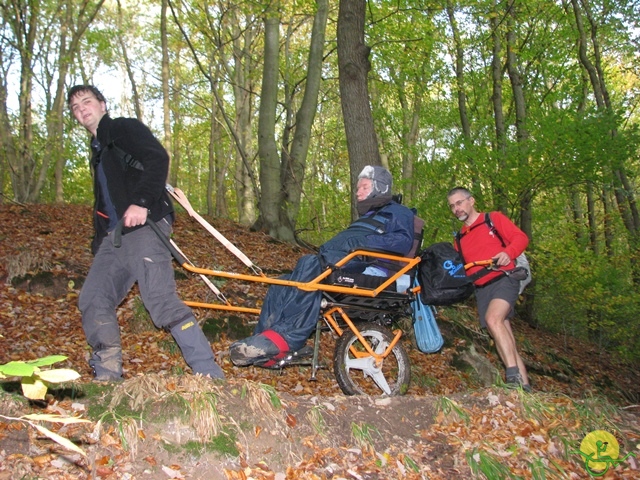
{"x":300,"y":357}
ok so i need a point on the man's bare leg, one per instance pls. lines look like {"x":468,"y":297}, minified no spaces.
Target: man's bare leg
{"x":520,"y":362}
{"x":500,"y":329}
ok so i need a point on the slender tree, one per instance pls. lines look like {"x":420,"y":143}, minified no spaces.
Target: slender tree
{"x":353,"y":69}
{"x":294,"y":161}
{"x":623,"y":190}
{"x":465,"y":123}
{"x":166,"y":87}
{"x":270,"y":184}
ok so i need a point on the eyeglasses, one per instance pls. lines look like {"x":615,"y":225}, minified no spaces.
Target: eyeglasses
{"x":455,"y":205}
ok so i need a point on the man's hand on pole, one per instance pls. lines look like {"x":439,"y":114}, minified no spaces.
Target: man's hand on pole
{"x":135,"y":215}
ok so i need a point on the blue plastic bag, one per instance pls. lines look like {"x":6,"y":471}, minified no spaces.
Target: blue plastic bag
{"x":428,"y":336}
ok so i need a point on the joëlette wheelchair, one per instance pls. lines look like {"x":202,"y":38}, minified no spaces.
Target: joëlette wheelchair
{"x":360,"y":309}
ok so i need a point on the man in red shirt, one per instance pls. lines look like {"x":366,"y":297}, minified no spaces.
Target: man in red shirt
{"x":496,"y":293}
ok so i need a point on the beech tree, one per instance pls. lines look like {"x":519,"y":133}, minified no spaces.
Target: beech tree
{"x":353,"y":70}
{"x":282,"y":177}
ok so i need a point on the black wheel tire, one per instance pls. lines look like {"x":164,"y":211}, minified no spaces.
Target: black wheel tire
{"x":353,"y":380}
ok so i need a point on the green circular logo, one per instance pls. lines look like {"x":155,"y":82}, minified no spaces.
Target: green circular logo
{"x":600,"y":449}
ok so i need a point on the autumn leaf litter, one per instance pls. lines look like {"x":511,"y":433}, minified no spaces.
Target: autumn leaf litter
{"x":278,"y":425}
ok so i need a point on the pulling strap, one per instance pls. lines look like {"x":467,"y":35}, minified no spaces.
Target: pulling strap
{"x":182,"y":200}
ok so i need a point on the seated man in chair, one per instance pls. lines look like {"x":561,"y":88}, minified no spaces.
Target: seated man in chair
{"x":289,"y":315}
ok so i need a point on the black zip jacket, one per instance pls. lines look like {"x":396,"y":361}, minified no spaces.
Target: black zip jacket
{"x":128,"y":185}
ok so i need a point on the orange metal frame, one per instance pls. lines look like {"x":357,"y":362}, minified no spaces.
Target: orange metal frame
{"x":317,"y":285}
{"x":310,"y":286}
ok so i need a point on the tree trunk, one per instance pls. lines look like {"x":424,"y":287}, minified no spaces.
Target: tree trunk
{"x":295,"y":161}
{"x":462,"y":96}
{"x":24,"y":26}
{"x":271,"y":187}
{"x":55,"y":120}
{"x":166,"y":95}
{"x":500,"y":200}
{"x":522,"y":139}
{"x":623,"y":191}
{"x":608,"y":223}
{"x":353,"y":69}
{"x":127,"y":65}
{"x":591,"y":215}
{"x":8,"y":154}
{"x":578,"y":214}
{"x":218,"y":166}
{"x":411,"y":120}
{"x":246,"y":187}
{"x":176,"y":147}
{"x":522,"y":133}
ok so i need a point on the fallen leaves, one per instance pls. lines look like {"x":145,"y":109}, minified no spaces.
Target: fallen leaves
{"x":314,"y":423}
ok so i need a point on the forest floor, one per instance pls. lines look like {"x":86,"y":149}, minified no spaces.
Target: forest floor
{"x":162,"y":422}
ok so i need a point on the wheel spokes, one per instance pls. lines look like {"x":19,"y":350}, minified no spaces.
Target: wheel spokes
{"x":368,"y":367}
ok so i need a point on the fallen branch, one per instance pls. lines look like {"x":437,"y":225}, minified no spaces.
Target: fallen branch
{"x":65,"y":442}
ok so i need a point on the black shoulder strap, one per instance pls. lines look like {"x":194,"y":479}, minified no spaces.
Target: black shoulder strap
{"x":371,"y":222}
{"x":492,"y":228}
{"x":457,"y":237}
{"x":126,"y":158}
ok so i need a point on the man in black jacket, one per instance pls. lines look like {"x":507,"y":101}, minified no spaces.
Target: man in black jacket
{"x":130,"y":169}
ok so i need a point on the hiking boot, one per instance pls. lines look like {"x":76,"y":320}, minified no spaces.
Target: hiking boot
{"x":107,"y":379}
{"x":243,"y":354}
{"x":515,"y":380}
{"x":254,"y":349}
{"x":106,"y":364}
{"x":196,"y":349}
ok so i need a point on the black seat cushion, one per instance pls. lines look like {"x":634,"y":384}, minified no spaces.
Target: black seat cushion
{"x":349,"y":279}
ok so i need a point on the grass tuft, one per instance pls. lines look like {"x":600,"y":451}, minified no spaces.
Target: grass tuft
{"x":452,"y":411}
{"x":483,"y":463}
{"x":316,"y":419}
{"x":362,"y":433}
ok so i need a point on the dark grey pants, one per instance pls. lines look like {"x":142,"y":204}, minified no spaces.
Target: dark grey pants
{"x":144,"y":259}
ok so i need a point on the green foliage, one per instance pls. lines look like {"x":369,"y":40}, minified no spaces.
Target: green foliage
{"x":224,"y":444}
{"x":452,"y":410}
{"x":410,"y":464}
{"x":587,"y":296}
{"x":273,"y":395}
{"x":424,"y":380}
{"x":540,"y":471}
{"x":126,"y":424}
{"x":35,"y":380}
{"x":316,"y":419}
{"x":34,"y":386}
{"x":141,"y":320}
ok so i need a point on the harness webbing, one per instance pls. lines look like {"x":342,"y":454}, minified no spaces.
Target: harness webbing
{"x":376,"y":222}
